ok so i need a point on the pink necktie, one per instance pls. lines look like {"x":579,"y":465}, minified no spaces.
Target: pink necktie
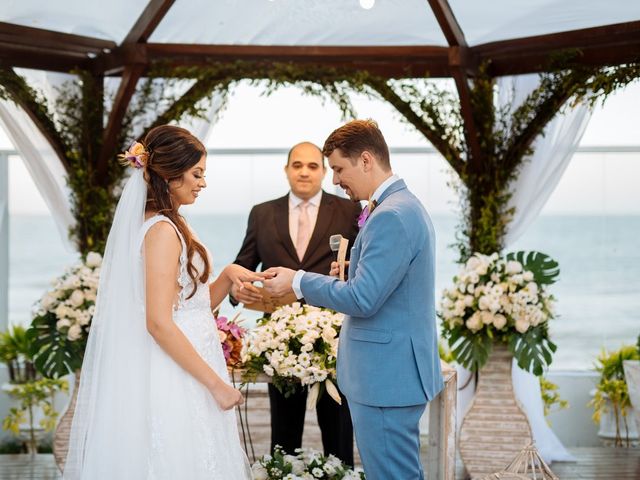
{"x":304,"y":230}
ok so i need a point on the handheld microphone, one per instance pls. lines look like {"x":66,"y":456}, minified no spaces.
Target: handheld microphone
{"x":337,"y":243}
{"x":334,"y":242}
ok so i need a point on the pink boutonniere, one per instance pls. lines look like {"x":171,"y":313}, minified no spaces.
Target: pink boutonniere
{"x":366,"y":211}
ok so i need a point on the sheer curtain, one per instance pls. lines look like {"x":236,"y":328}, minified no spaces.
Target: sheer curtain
{"x":40,"y":159}
{"x":536,"y":182}
{"x":43,"y":165}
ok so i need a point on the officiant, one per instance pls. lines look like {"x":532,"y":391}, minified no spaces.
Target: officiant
{"x":293,"y":231}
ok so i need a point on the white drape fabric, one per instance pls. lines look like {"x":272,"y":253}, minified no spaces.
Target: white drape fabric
{"x":39,"y":158}
{"x":540,"y":175}
{"x":114,"y":387}
{"x":536,"y":182}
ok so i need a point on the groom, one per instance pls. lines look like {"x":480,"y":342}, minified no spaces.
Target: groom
{"x":388,"y":365}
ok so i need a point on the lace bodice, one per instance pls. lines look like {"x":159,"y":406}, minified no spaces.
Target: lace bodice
{"x":201,"y":298}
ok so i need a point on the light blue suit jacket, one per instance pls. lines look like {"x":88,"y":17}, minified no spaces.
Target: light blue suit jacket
{"x":388,"y":352}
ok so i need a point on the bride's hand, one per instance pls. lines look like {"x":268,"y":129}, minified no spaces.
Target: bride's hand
{"x":237,"y":275}
{"x":226,"y":396}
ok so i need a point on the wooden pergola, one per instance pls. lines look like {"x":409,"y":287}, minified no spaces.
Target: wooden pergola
{"x":41,"y":49}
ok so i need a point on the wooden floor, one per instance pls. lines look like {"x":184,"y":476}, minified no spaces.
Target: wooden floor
{"x":592,"y":463}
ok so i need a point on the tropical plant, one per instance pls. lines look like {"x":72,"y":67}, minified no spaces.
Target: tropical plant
{"x":38,"y":394}
{"x":501,"y":299}
{"x":14,"y":352}
{"x":611,"y":390}
{"x":551,"y":396}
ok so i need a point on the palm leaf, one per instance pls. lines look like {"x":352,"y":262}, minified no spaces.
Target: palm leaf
{"x":544,"y":268}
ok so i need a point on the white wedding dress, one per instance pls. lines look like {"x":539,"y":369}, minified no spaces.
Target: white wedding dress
{"x":139,"y":415}
{"x":190,"y":436}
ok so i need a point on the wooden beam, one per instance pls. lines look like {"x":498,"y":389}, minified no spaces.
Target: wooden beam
{"x":148,"y":21}
{"x":13,"y":33}
{"x":126,"y":90}
{"x":39,"y":59}
{"x":388,"y":62}
{"x":448,"y":23}
{"x":586,"y":38}
{"x":459,"y":58}
{"x":22,"y":96}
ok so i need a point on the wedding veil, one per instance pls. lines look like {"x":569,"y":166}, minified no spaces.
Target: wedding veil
{"x":109,"y":431}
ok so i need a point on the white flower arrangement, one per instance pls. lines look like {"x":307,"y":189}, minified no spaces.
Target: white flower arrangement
{"x":501,"y":298}
{"x":306,"y":464}
{"x":297,"y":345}
{"x":62,"y":317}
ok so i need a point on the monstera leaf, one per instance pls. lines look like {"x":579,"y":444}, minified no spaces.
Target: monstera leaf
{"x":54,"y":355}
{"x":544,"y":268}
{"x":469,"y":350}
{"x":533,"y":350}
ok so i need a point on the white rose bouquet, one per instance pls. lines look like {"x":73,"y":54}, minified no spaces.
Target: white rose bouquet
{"x":296,"y":346}
{"x":60,"y":327}
{"x":307,"y":464}
{"x":501,"y":299}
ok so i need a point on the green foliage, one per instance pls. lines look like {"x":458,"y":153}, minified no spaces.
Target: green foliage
{"x":544,"y":268}
{"x":612,"y":390}
{"x":305,"y":464}
{"x":470,"y":350}
{"x":551,"y":396}
{"x":15,"y":354}
{"x":533,"y":350}
{"x":168,"y":94}
{"x":55,"y":355}
{"x":445,"y":354}
{"x":33,"y":395}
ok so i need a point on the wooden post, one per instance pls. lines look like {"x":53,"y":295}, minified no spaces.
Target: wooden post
{"x":441,"y":450}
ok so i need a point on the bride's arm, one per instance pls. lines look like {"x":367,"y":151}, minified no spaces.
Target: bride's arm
{"x":231,"y":275}
{"x":162,"y":252}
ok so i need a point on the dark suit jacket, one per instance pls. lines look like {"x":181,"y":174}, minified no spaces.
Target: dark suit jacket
{"x":268,"y":241}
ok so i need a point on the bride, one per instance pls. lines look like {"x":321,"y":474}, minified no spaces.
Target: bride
{"x":155,"y":400}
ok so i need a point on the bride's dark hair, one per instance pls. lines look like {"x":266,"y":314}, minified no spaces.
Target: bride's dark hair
{"x":172,"y":152}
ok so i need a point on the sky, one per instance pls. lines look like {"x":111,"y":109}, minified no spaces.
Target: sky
{"x":593,"y":183}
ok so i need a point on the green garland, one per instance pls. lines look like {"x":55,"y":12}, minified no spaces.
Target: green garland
{"x":75,"y":124}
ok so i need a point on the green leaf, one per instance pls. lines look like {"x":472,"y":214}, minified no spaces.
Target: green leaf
{"x":544,"y":268}
{"x":532,"y":350}
{"x":54,"y":355}
{"x":469,"y":349}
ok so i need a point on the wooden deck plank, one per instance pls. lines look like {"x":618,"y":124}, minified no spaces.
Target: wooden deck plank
{"x":593,"y":464}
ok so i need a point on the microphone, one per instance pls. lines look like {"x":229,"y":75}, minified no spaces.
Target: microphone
{"x":334,"y":242}
{"x":337,"y":243}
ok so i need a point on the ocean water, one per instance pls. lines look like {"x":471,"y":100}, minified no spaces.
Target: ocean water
{"x":598,"y":293}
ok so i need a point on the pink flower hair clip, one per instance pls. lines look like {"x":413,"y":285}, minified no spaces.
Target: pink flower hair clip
{"x":136,"y":155}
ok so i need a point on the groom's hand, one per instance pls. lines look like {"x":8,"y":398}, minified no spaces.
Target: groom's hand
{"x":280,"y":284}
{"x":248,"y":294}
{"x":335,"y":268}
